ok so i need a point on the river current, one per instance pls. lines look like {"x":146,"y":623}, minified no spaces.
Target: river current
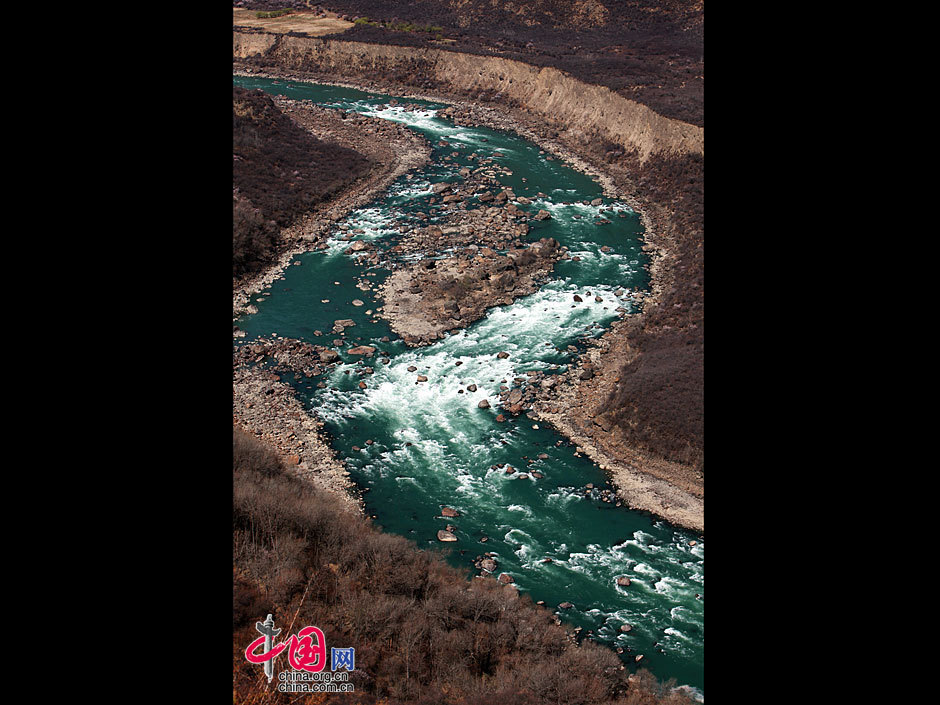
{"x":432,"y":446}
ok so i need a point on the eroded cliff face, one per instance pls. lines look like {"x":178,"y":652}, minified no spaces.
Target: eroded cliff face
{"x":587,"y":113}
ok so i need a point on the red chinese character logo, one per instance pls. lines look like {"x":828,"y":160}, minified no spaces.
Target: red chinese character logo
{"x":304,"y":654}
{"x":307,"y":650}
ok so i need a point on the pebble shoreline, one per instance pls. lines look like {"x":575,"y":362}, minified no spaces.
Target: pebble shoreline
{"x":268,"y":408}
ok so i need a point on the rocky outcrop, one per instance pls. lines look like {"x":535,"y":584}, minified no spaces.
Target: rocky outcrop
{"x":587,"y":112}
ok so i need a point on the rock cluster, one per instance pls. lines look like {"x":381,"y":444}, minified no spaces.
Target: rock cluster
{"x":286,"y":355}
{"x":429,"y":298}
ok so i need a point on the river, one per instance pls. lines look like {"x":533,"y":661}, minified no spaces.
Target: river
{"x":431,"y":444}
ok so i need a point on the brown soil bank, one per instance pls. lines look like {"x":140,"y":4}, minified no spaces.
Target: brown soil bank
{"x":558,"y":99}
{"x":640,"y":412}
{"x":279,"y":172}
{"x":650,"y":51}
{"x":308,"y":22}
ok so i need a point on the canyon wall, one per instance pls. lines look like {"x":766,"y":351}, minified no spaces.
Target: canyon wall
{"x":585,"y":112}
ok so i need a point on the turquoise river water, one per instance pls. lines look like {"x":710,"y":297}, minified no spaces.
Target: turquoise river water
{"x":432,"y":446}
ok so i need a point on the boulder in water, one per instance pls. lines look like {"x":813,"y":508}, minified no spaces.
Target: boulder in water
{"x":362,"y":350}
